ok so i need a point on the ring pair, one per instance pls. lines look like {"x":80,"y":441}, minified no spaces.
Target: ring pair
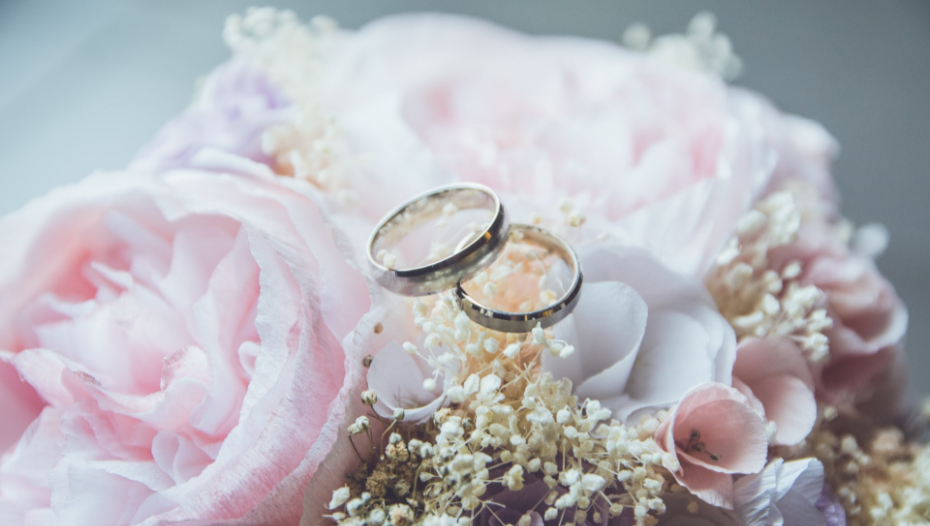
{"x":472,"y":255}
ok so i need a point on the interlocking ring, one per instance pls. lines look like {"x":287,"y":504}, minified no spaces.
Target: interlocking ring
{"x":525,"y":321}
{"x":470,"y":257}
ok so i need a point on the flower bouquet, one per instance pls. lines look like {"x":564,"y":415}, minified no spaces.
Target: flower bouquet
{"x":656,"y":313}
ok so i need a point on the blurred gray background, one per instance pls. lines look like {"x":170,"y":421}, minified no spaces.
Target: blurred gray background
{"x":83,"y":84}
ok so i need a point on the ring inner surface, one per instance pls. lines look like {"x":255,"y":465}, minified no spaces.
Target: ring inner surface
{"x":521,"y":290}
{"x":434,"y":229}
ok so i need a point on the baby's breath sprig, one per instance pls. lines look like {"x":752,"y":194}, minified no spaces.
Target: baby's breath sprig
{"x":759,"y":300}
{"x":505,"y":422}
{"x":879,"y":477}
{"x":292,"y":54}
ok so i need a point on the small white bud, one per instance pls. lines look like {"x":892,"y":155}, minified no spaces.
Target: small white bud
{"x":399,"y":414}
{"x":410,"y":348}
{"x":369,"y":397}
{"x":462,"y":322}
{"x":340,"y":496}
{"x":362,"y":423}
{"x":512,"y":350}
{"x":490,"y":289}
{"x":456,"y":394}
{"x":429,"y":384}
{"x":574,"y":218}
{"x":490,"y":383}
{"x":471,"y":384}
{"x":354,"y":507}
{"x":539,"y":336}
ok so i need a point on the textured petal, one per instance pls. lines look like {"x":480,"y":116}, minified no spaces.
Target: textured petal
{"x":761,"y":358}
{"x":803,"y":476}
{"x":790,"y":404}
{"x":796,"y":509}
{"x":754,"y":495}
{"x":607,"y":327}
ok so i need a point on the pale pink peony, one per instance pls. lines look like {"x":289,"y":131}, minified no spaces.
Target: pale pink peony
{"x":180,"y":344}
{"x":658,"y":158}
{"x":783,"y":493}
{"x":774,"y":374}
{"x":714,"y":433}
{"x":644,"y":335}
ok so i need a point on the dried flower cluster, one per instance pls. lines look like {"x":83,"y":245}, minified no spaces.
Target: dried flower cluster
{"x":762,"y":301}
{"x":880,"y":479}
{"x":291,"y":54}
{"x":505,"y":422}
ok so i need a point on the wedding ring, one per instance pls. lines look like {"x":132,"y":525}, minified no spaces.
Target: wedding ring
{"x":469,"y":257}
{"x":526,"y":321}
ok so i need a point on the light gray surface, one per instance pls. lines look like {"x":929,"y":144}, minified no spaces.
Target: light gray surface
{"x":84,"y":85}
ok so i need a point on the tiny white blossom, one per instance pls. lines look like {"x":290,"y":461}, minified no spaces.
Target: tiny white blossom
{"x":340,"y":496}
{"x":511,"y":350}
{"x":369,"y":397}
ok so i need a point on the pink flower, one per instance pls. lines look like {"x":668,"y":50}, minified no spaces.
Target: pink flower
{"x":180,"y":344}
{"x":869,"y":320}
{"x":713,"y":433}
{"x":644,"y":335}
{"x":783,"y":493}
{"x":236,"y":104}
{"x":774,"y":374}
{"x":656,"y":157}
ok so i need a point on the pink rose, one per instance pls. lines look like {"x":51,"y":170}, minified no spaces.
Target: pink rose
{"x":714,"y":433}
{"x":774,"y":374}
{"x":653,"y":156}
{"x":869,"y":320}
{"x":179,"y":340}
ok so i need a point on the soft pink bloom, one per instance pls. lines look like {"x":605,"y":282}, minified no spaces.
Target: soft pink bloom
{"x":869,"y":320}
{"x":714,"y":433}
{"x":180,"y":343}
{"x":774,"y":373}
{"x":643,"y":334}
{"x":783,"y":493}
{"x":233,"y":108}
{"x":659,"y":158}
